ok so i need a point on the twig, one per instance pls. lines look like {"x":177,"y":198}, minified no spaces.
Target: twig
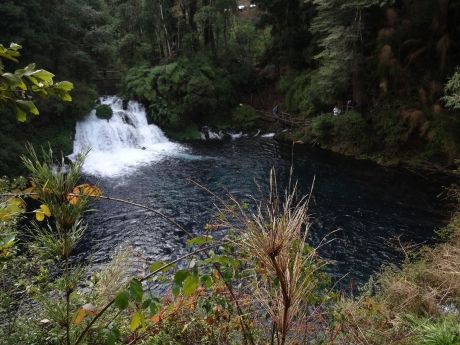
{"x":107,"y":306}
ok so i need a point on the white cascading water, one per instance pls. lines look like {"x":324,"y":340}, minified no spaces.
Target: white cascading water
{"x":119,"y":145}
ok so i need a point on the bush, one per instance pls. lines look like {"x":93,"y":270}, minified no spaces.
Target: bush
{"x":310,"y":93}
{"x":390,"y":128}
{"x":244,"y":117}
{"x":299,"y":96}
{"x":322,"y":126}
{"x":187,"y":90}
{"x":443,"y":140}
{"x":104,"y":112}
{"x":351,"y":128}
{"x":347,"y":131}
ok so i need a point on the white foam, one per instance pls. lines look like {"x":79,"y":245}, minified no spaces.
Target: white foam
{"x":268,"y":135}
{"x":123,"y":143}
{"x":236,"y":135}
{"x":215,"y":135}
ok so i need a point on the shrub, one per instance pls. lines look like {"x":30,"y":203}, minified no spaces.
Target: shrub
{"x":104,"y":111}
{"x":452,"y":91}
{"x":310,"y":93}
{"x":443,"y":140}
{"x":445,"y":331}
{"x":187,"y":90}
{"x":351,"y":128}
{"x":322,"y":126}
{"x":244,"y":117}
{"x":389,"y":127}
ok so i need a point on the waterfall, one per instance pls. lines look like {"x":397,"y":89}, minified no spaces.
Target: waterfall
{"x":119,"y":145}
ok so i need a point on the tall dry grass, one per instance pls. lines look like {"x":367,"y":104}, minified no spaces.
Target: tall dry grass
{"x":426,"y":289}
{"x":273,"y":238}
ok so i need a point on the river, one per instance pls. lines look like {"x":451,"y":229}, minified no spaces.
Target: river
{"x":364,"y":205}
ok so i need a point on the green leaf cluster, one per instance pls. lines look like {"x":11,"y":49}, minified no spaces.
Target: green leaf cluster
{"x":185,"y":91}
{"x":19,"y":88}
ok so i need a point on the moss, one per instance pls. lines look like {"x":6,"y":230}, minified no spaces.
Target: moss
{"x":103,"y":111}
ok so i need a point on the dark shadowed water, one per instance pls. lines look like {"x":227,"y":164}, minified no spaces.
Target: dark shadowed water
{"x":367,"y":205}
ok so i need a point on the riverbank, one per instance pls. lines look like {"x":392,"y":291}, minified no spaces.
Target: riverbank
{"x":417,"y":304}
{"x":410,"y":160}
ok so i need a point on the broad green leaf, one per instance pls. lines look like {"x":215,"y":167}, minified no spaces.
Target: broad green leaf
{"x":200,"y":240}
{"x":136,"y":321}
{"x":21,"y":115}
{"x":156,"y":266}
{"x":11,"y":208}
{"x":29,"y":70}
{"x":66,"y":97}
{"x":206,"y":281}
{"x":154,"y":308}
{"x":190,"y":285}
{"x":122,"y":300}
{"x":33,"y":81}
{"x":175,"y":289}
{"x":110,"y":339}
{"x":112,"y":336}
{"x":28,"y":106}
{"x":222,"y":260}
{"x":43,"y":75}
{"x":180,"y":276}
{"x":7,"y":242}
{"x":146,"y":304}
{"x":136,"y":291}
{"x":64,"y":85}
{"x":15,"y":46}
{"x":11,"y":79}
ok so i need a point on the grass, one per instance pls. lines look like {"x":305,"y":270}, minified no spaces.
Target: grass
{"x":417,"y":304}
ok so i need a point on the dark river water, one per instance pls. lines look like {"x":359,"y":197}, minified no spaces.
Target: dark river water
{"x":365,"y":204}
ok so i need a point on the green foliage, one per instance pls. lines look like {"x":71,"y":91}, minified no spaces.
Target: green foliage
{"x":322,"y":126}
{"x":452,"y":92}
{"x":18,"y":89}
{"x":443,"y":140}
{"x":103,"y":111}
{"x":389,"y":126}
{"x":74,"y":40}
{"x":244,"y":117}
{"x":289,"y":22}
{"x":445,"y":331}
{"x":300,"y":94}
{"x":337,"y":26}
{"x":351,"y":127}
{"x":348,"y":129}
{"x":183,"y":91}
{"x":186,"y":132}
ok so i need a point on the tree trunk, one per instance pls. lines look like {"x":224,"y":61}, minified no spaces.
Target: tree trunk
{"x":167,"y":43}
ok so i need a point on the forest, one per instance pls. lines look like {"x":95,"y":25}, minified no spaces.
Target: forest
{"x":187,"y":59}
{"x":375,"y":80}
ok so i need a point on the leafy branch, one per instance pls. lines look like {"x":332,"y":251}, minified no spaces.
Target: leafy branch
{"x":18,"y":89}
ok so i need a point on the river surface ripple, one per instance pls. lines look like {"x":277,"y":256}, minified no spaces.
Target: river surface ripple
{"x":365,"y":204}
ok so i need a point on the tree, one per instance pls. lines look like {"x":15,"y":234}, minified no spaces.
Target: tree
{"x":18,"y":89}
{"x":339,"y":28}
{"x":289,"y":21}
{"x":452,"y":91}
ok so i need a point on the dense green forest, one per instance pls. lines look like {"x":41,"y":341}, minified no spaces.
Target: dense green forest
{"x":373,"y":79}
{"x":193,"y":62}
